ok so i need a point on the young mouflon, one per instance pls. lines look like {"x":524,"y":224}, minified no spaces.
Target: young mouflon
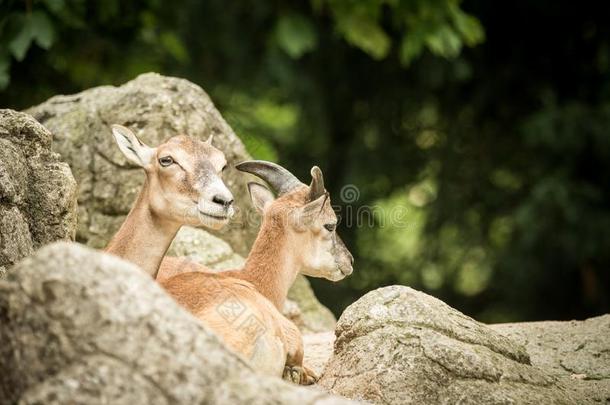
{"x":183,"y":186}
{"x":243,"y":306}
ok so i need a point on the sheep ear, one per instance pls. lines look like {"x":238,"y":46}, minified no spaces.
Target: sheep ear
{"x":133,"y":149}
{"x":261,"y":196}
{"x":307,"y":214}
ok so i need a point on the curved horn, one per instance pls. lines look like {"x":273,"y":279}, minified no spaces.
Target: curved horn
{"x":316,"y":189}
{"x":280,"y":179}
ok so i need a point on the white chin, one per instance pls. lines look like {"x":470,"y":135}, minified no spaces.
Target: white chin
{"x":212,"y":222}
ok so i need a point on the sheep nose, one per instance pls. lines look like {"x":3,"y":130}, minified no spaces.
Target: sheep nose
{"x":223,"y":200}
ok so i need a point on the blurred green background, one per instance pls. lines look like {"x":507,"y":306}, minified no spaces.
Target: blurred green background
{"x":473,"y":137}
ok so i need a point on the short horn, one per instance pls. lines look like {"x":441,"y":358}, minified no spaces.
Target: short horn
{"x":316,"y":189}
{"x":280,"y":179}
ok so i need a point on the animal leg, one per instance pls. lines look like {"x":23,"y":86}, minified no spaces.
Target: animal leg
{"x":299,"y":375}
{"x":294,"y":370}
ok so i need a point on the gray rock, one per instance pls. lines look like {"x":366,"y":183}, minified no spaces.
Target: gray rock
{"x":37,"y":190}
{"x":318,"y":350}
{"x":204,"y":248}
{"x":396,"y":345}
{"x":577,"y":351}
{"x":79,"y":326}
{"x":156,"y":108}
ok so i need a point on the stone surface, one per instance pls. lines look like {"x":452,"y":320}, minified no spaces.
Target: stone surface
{"x":204,"y":248}
{"x":318,"y":350}
{"x":577,"y":351}
{"x":79,"y":326}
{"x":37,"y":190}
{"x":399,"y":346}
{"x":156,"y":108}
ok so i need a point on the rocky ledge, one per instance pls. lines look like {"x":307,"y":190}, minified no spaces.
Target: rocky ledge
{"x":399,"y":346}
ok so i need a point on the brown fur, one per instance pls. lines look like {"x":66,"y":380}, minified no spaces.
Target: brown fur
{"x":168,"y":198}
{"x":257,"y":291}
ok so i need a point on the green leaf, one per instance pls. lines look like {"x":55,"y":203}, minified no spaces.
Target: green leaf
{"x":295,"y":35}
{"x":56,"y":6}
{"x":411,"y":47}
{"x":42,"y":29}
{"x":35,"y":27}
{"x":468,"y":26}
{"x":5,"y":64}
{"x":174,"y":46}
{"x":409,"y":50}
{"x":444,"y":42}
{"x":365,"y":34}
{"x":20,"y":44}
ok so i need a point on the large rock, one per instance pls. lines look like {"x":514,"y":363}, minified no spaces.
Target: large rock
{"x":576,"y":351}
{"x":399,"y":346}
{"x":157,"y":108}
{"x":37,"y":190}
{"x":78,"y":326}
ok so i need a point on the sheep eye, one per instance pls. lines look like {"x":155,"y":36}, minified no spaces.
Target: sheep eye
{"x":166,"y":161}
{"x":330,"y":227}
{"x":224,"y":168}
